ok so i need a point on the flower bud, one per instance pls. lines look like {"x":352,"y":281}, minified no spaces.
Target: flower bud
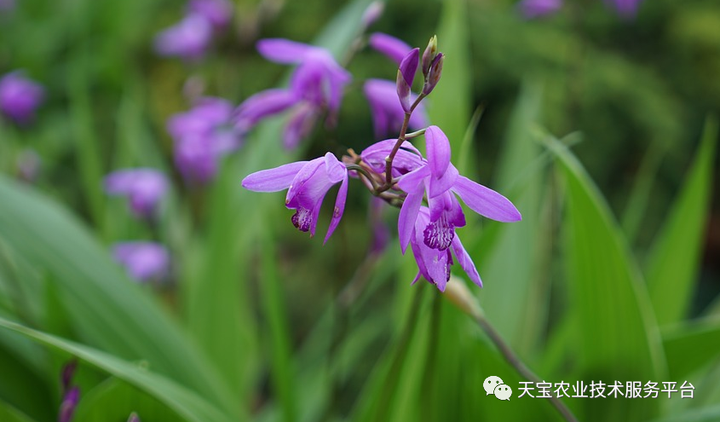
{"x":429,"y":55}
{"x":405,"y":77}
{"x":434,"y":74}
{"x":457,"y":292}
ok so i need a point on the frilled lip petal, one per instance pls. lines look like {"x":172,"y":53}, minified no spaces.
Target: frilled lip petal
{"x":486,"y":201}
{"x":273,"y":180}
{"x":390,"y":46}
{"x":438,"y":150}
{"x":283,"y":51}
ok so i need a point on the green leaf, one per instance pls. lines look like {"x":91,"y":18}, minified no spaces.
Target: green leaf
{"x":10,"y":414}
{"x":109,"y":311}
{"x":707,"y":414}
{"x":450,"y":102}
{"x":185,"y":402}
{"x":115,"y":400}
{"x":616,"y":336}
{"x":690,"y":346}
{"x":675,"y":257}
{"x":510,"y":266}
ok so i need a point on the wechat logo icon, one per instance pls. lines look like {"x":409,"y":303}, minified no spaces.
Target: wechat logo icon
{"x":495,"y":386}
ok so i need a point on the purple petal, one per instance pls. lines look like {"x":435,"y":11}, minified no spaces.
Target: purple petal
{"x":406,"y":160}
{"x":414,"y":179}
{"x":336,"y":171}
{"x":372,"y":13}
{"x":188,"y":39}
{"x":408,"y":216}
{"x":217,"y":12}
{"x":532,"y":9}
{"x":273,"y":180}
{"x":261,"y":105}
{"x":68,"y":405}
{"x":302,"y":177}
{"x":283,"y":51}
{"x":390,"y":46}
{"x":339,"y":208}
{"x":437,"y":186}
{"x":438,"y":150}
{"x":485,"y":201}
{"x":465,"y":261}
{"x":299,"y":126}
{"x":143,"y":260}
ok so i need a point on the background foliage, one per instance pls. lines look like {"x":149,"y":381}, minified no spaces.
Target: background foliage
{"x":612,"y":274}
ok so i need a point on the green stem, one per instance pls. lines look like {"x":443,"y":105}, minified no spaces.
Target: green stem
{"x":401,"y":138}
{"x":519,"y":366}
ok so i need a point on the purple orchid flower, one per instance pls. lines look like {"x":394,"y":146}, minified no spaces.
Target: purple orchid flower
{"x":144,"y":188}
{"x":434,"y":264}
{"x":217,"y":12}
{"x":316,"y":84}
{"x":440,"y":181}
{"x":389,"y":46}
{"x":318,"y":78}
{"x":625,"y":8}
{"x":188,"y":39}
{"x":202,"y":137}
{"x":68,"y":405}
{"x":408,"y":157}
{"x":143,"y":261}
{"x":307,"y":182}
{"x":19,"y":97}
{"x":532,"y":9}
{"x":387,"y":112}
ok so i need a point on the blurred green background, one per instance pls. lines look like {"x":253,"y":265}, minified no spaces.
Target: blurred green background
{"x":600,"y":128}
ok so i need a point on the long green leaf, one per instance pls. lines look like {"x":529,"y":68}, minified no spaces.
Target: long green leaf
{"x":179,"y":398}
{"x":690,"y":346}
{"x":675,"y":257}
{"x":616,"y":336}
{"x":108,"y":310}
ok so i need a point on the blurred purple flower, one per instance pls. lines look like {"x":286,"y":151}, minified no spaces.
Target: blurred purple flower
{"x":387,"y":112}
{"x":19,"y":97}
{"x":317,"y":83}
{"x":440,"y":180}
{"x":188,"y":39}
{"x":434,"y":264}
{"x":307,"y":182}
{"x":202,"y":136}
{"x":532,"y":9}
{"x":68,"y":371}
{"x":68,"y":405}
{"x":144,"y":188}
{"x":390,"y":46}
{"x":380,"y":230}
{"x":625,"y":8}
{"x":217,"y":12}
{"x":143,"y":261}
{"x":133,"y":418}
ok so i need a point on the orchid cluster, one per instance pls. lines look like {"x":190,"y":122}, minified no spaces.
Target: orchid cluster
{"x":191,"y":37}
{"x":425,"y":188}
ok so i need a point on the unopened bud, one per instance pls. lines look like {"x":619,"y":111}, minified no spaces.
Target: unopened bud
{"x":429,"y":55}
{"x":405,"y":77}
{"x":457,"y":292}
{"x":434,"y":74}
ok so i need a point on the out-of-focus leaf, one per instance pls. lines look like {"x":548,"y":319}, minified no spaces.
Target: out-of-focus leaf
{"x":10,"y":414}
{"x":110,"y":312}
{"x":689,"y":346}
{"x":616,"y":335}
{"x":185,"y":402}
{"x":706,"y":414}
{"x":115,"y":400}
{"x":510,"y":267}
{"x":675,"y":256}
{"x":450,"y":101}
